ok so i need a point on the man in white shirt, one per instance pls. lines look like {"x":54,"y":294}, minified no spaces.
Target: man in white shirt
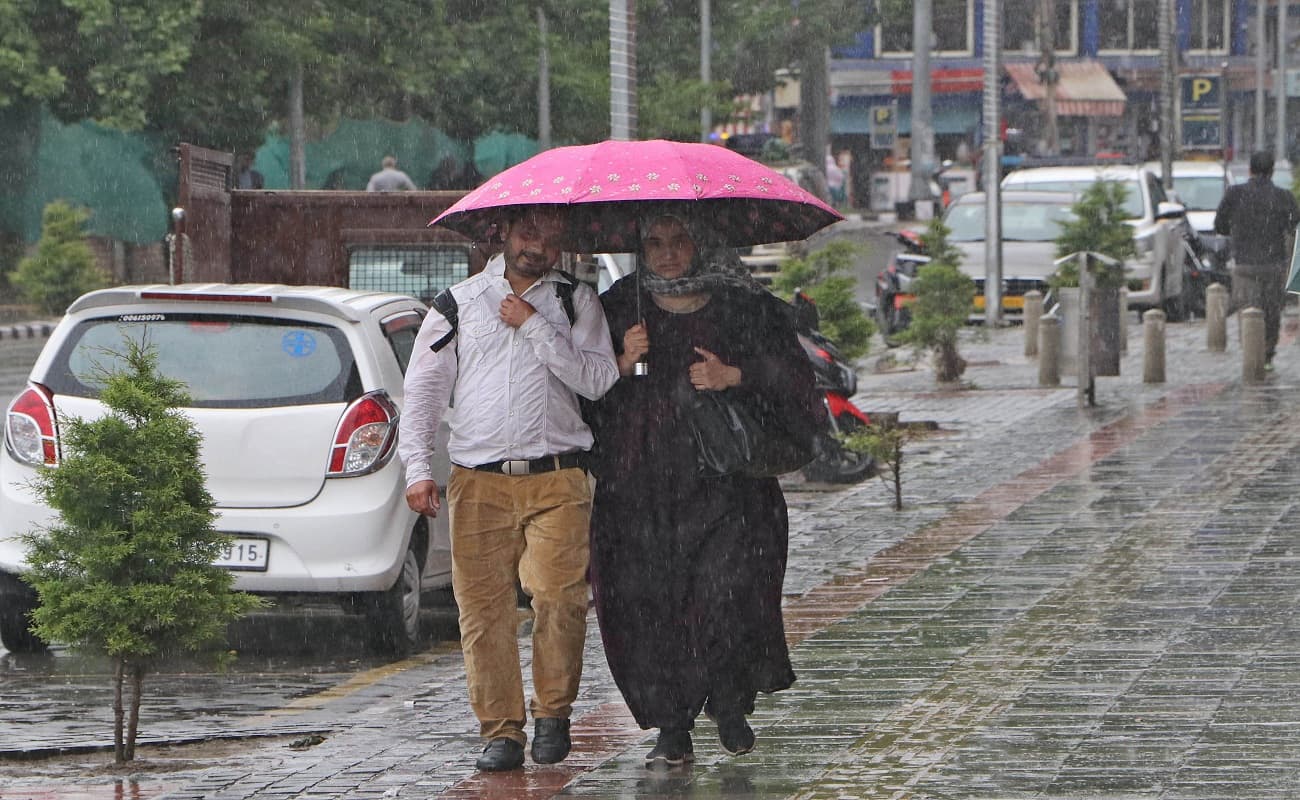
{"x":519,"y":497}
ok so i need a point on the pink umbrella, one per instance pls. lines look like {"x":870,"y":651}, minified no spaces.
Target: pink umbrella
{"x":606,"y":187}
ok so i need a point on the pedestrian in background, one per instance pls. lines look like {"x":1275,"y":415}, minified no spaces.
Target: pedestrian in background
{"x":1260,"y":219}
{"x":520,"y":500}
{"x":686,"y":569}
{"x":390,"y":178}
{"x":245,"y":176}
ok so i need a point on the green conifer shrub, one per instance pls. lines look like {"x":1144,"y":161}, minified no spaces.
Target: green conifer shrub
{"x":1098,"y":226}
{"x":63,"y":267}
{"x":944,"y":298}
{"x":126,"y":570}
{"x":826,"y":276}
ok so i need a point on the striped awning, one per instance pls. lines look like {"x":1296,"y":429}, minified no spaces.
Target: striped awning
{"x":1085,"y":88}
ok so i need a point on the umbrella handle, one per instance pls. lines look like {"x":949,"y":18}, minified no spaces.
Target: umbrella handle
{"x":641,"y":368}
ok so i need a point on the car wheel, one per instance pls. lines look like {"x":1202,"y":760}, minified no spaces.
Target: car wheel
{"x":393,"y":616}
{"x":15,"y":633}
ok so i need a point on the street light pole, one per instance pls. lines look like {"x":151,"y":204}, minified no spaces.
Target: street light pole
{"x":622,"y":69}
{"x":992,"y":135}
{"x":543,"y":84}
{"x":922,"y":114}
{"x":1165,"y":32}
{"x":706,"y":67}
{"x":1261,"y":63}
{"x":1279,"y":84}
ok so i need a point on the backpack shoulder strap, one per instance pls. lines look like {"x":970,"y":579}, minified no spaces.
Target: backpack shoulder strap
{"x":444,"y":303}
{"x":564,"y":290}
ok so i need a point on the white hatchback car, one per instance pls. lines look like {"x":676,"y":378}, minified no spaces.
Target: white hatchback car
{"x":296,"y":392}
{"x":1156,"y":276}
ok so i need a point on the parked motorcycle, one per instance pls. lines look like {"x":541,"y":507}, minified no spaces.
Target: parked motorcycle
{"x":894,"y":294}
{"x":837,"y":380}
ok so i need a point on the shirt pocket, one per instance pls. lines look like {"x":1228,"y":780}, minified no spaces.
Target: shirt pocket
{"x":479,"y":337}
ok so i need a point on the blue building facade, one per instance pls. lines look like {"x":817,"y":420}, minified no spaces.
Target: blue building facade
{"x":1110,"y":49}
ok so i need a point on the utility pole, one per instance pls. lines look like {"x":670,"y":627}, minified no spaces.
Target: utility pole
{"x":706,"y":67}
{"x":922,"y":113}
{"x":543,"y":84}
{"x":1165,"y":33}
{"x":1279,"y":85}
{"x":1261,"y":64}
{"x":622,"y":69}
{"x":1048,"y":75}
{"x":992,"y":135}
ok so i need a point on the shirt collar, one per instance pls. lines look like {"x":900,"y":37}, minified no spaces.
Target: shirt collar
{"x":496,"y":267}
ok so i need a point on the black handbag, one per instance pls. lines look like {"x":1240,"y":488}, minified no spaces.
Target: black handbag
{"x":738,"y":433}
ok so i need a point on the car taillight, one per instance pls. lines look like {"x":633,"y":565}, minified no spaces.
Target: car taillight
{"x":30,"y":430}
{"x":365,"y":436}
{"x":825,"y":356}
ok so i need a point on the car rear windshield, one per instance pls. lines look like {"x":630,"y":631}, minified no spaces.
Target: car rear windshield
{"x":1133,"y":206}
{"x":225,"y":361}
{"x":1021,"y":222}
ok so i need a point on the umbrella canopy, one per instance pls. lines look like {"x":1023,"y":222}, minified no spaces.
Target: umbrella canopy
{"x":608,"y":186}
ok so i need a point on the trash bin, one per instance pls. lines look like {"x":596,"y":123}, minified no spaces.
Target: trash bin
{"x":1106,"y":322}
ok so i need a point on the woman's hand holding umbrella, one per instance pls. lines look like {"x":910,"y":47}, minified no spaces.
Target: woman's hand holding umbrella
{"x":636,"y":343}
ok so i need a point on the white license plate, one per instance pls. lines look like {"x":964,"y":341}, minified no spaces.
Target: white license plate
{"x":245,"y":553}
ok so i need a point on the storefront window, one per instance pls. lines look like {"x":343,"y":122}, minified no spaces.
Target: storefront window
{"x":1129,"y":24}
{"x":1020,"y":21}
{"x":1209,"y":24}
{"x":951,"y":23}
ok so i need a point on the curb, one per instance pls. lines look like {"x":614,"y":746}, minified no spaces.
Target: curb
{"x":27,"y":330}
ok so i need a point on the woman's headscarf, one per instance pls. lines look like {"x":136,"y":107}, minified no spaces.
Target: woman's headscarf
{"x":715,"y":265}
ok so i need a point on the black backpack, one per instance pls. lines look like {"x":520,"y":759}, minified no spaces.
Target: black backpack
{"x":445,"y":304}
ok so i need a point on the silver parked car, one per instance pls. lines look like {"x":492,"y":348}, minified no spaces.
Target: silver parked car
{"x":1031,"y":221}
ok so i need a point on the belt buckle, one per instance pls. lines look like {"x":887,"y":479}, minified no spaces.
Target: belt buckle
{"x":514,"y":467}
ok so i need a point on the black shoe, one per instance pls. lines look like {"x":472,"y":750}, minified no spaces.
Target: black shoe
{"x":735,"y":734}
{"x":501,"y":755}
{"x":551,"y":743}
{"x":673,"y":749}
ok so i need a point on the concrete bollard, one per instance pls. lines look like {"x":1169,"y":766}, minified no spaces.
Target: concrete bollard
{"x":1153,"y":346}
{"x":1049,"y":350}
{"x":1252,"y":345}
{"x":1033,"y":310}
{"x":1216,"y":318}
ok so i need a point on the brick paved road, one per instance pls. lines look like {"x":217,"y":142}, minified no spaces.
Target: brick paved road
{"x":1075,"y":603}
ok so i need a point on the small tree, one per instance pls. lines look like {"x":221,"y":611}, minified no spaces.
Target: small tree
{"x":821,"y":275}
{"x":944,"y":296}
{"x":126,"y":571}
{"x":1098,"y":226}
{"x":63,"y":268}
{"x":884,"y":440}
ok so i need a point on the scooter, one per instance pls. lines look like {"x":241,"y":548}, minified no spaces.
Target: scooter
{"x":894,"y":294}
{"x":837,"y":381}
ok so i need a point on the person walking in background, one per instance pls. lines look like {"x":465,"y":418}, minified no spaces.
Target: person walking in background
{"x":1260,"y":219}
{"x":390,"y":178}
{"x":245,"y":176}
{"x":516,"y":361}
{"x":687,"y":570}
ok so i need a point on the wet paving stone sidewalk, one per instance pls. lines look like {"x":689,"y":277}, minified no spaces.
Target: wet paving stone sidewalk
{"x":1094,"y":603}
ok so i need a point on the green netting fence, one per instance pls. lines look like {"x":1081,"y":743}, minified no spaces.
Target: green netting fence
{"x":128,"y":181}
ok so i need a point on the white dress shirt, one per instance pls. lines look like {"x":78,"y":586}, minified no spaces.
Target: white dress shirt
{"x":514,"y":388}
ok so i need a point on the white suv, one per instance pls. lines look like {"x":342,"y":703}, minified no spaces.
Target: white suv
{"x":296,"y":392}
{"x":1155,"y":277}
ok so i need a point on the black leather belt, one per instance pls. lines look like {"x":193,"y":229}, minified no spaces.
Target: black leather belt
{"x":536,"y":465}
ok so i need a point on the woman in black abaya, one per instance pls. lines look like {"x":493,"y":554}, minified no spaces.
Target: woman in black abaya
{"x":686,"y":569}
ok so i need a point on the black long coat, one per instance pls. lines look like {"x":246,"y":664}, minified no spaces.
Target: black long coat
{"x":687,"y":570}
